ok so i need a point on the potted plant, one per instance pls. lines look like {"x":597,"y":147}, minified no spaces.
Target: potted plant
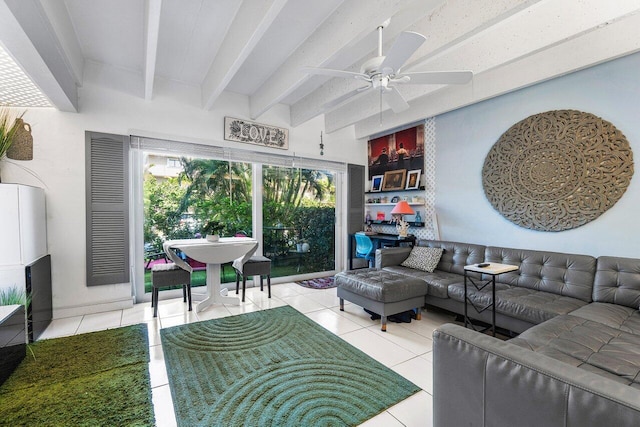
{"x":8,"y":129}
{"x":212,"y":230}
{"x":13,"y":296}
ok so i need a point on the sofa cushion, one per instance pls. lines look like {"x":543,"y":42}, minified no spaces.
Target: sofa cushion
{"x":616,"y":316}
{"x":558,"y":273}
{"x":423,"y":258}
{"x":521,"y":303}
{"x":588,"y":345}
{"x":455,"y":255}
{"x":438,"y":280}
{"x":617,"y":281}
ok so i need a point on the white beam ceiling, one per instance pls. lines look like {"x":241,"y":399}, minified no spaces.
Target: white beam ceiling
{"x":448,"y":24}
{"x":251,"y":23}
{"x":152,"y":30}
{"x":563,"y":58}
{"x":322,"y":46}
{"x":540,"y":27}
{"x":222,"y":45}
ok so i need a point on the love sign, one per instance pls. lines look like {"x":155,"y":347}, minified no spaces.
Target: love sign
{"x":255,"y":133}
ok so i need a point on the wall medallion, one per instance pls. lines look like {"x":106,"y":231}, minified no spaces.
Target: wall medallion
{"x":557,"y":170}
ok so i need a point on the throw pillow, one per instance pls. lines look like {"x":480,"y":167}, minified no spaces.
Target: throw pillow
{"x":422,"y":258}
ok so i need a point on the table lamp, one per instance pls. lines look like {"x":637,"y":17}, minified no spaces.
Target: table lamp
{"x":402,"y":208}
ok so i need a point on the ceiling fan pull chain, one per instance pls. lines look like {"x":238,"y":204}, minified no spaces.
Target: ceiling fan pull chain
{"x":380,"y":108}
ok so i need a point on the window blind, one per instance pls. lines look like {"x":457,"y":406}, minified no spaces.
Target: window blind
{"x":232,"y":154}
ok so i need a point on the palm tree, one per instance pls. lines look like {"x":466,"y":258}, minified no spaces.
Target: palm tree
{"x":287,"y":189}
{"x":215,"y":177}
{"x":218,"y":189}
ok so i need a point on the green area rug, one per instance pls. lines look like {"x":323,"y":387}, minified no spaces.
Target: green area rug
{"x":274,"y":368}
{"x":95,"y":379}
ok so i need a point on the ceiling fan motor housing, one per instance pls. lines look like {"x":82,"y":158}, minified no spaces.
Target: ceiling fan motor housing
{"x":372,"y":66}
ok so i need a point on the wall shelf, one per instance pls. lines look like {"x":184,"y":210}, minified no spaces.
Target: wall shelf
{"x":393,"y":204}
{"x":411,"y":223}
{"x":385,"y":206}
{"x":421,"y":189}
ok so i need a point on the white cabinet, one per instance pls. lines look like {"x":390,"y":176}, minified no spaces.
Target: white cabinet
{"x":24,"y":262}
{"x":23,"y":225}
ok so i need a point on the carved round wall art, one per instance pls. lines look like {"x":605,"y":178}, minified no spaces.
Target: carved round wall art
{"x":557,"y":170}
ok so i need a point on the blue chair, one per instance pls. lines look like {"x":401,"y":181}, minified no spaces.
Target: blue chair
{"x":365,"y":248}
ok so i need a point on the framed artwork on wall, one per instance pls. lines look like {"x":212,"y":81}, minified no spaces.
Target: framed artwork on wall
{"x":394,"y":180}
{"x":413,"y":180}
{"x":376,"y":183}
{"x":403,"y":149}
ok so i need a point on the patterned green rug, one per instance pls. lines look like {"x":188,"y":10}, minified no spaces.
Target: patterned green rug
{"x":95,"y":379}
{"x":274,"y":368}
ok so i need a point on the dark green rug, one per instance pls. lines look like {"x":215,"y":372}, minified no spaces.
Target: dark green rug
{"x":274,"y":368}
{"x":95,"y":379}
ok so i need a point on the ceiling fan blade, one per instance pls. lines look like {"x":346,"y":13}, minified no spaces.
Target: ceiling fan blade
{"x":339,"y":100}
{"x":439,"y":77}
{"x":404,"y":46}
{"x":333,"y":73}
{"x":395,"y":100}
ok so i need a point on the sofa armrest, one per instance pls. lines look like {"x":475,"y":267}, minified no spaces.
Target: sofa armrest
{"x":479,"y":380}
{"x":391,"y":256}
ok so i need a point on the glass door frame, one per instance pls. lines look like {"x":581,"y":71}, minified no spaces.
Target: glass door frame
{"x":136,"y":159}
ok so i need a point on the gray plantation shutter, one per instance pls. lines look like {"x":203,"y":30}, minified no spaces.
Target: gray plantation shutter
{"x":107,"y":171}
{"x":355,"y":198}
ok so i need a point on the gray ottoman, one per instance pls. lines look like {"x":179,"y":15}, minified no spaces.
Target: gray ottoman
{"x":381,"y":291}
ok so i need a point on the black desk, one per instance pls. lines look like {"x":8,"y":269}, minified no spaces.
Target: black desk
{"x":379,"y":239}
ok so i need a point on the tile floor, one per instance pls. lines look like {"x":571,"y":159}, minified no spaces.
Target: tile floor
{"x":405,"y":348}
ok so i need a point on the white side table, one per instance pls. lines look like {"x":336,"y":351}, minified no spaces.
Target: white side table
{"x":492,"y":269}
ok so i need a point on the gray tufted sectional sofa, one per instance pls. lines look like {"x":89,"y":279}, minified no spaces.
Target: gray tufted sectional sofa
{"x":576,"y":361}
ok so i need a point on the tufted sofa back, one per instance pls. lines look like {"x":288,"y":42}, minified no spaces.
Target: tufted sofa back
{"x":455,"y":255}
{"x":617,"y":281}
{"x":558,"y":273}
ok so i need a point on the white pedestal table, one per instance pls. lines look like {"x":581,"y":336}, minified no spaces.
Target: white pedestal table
{"x":213,"y":254}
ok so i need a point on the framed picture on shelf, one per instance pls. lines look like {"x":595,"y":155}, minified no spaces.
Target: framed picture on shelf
{"x":413,"y":180}
{"x":376,"y":183}
{"x":394,"y":180}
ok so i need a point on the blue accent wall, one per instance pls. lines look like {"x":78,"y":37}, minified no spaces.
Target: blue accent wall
{"x":464,"y":137}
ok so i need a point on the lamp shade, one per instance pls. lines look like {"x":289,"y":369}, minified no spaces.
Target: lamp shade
{"x":402,"y":208}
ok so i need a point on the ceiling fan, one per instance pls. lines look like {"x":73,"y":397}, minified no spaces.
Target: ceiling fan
{"x":383,"y":73}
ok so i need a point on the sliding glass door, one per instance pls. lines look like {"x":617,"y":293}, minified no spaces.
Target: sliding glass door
{"x":298,"y":215}
{"x":180,"y":188}
{"x":184,"y":195}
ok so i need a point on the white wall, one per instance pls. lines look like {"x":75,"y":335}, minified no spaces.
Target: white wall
{"x":59,"y":147}
{"x":464,"y":137}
